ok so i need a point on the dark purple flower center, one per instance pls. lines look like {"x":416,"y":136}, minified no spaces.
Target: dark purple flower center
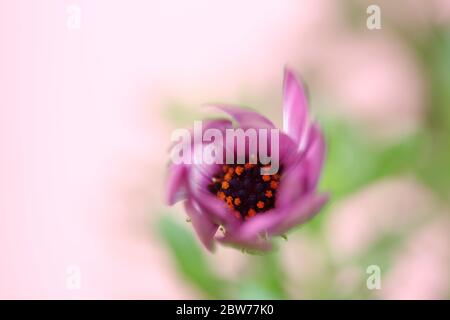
{"x":245,"y":191}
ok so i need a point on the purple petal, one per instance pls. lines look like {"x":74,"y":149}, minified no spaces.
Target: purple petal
{"x":220,"y":124}
{"x":250,"y":234}
{"x":314,"y":157}
{"x":246,"y":118}
{"x":201,"y":175}
{"x":205,"y":229}
{"x":287,"y":149}
{"x":276,"y":222}
{"x":304,"y":209}
{"x":176,"y":183}
{"x":293,"y":184}
{"x":216,"y":210}
{"x":295,"y":107}
{"x":241,"y":238}
{"x":176,"y":189}
{"x":302,"y":174}
{"x":260,"y":224}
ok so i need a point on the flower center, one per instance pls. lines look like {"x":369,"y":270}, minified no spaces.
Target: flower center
{"x":245,"y":191}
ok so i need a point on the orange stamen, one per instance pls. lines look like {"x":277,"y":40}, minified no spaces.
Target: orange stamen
{"x":221,"y":195}
{"x":251,"y":213}
{"x":260,"y":204}
{"x":269,"y":194}
{"x":266,"y":178}
{"x":227,"y":177}
{"x":237,"y":201}
{"x":239,"y":170}
{"x":230,"y":202}
{"x":273,"y":184}
{"x":225,"y":185}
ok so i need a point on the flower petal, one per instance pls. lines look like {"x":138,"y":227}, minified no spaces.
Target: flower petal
{"x":216,"y":210}
{"x":245,"y":117}
{"x":302,"y":174}
{"x":287,"y":150}
{"x":314,"y":157}
{"x":220,"y":124}
{"x":295,"y":108}
{"x":176,"y":189}
{"x":300,"y":212}
{"x":203,"y":226}
{"x":251,"y":233}
{"x":293,"y":184}
{"x":284,"y":154}
{"x":179,"y":174}
{"x":201,"y":175}
{"x":256,"y":232}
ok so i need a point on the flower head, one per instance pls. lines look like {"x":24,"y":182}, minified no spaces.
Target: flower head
{"x":249,"y":201}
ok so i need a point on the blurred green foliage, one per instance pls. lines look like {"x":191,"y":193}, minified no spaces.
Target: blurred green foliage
{"x":190,"y":259}
{"x":434,"y":53}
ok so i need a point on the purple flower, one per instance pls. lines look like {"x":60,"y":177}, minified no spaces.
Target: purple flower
{"x":249,"y":207}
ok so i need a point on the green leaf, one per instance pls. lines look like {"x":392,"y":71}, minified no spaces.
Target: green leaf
{"x":190,"y":259}
{"x":266,"y":279}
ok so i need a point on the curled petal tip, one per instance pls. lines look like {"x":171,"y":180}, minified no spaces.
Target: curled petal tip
{"x":295,"y":107}
{"x":315,"y":156}
{"x":245,"y":117}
